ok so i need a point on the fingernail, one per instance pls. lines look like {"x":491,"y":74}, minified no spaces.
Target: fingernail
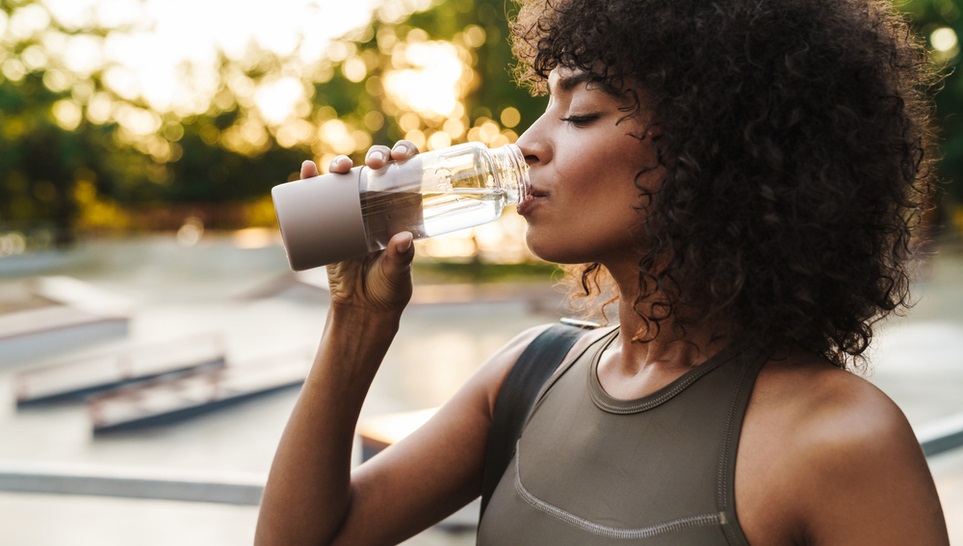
{"x":400,"y":149}
{"x":406,"y":246}
{"x":377,"y":154}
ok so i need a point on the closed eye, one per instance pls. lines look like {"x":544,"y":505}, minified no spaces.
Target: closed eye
{"x":581,"y":120}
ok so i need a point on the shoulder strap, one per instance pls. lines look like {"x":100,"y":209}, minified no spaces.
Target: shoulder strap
{"x":517,"y":397}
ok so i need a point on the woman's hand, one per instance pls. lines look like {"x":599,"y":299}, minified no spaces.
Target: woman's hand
{"x":380,"y":281}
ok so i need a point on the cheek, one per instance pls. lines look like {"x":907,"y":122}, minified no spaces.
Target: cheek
{"x":589,"y":229}
{"x":607,"y":183}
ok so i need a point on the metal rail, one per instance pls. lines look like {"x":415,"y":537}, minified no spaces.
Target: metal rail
{"x":941,"y":435}
{"x":239,"y":489}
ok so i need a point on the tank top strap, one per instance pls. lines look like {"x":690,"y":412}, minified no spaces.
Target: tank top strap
{"x":592,"y":350}
{"x":755,"y":357}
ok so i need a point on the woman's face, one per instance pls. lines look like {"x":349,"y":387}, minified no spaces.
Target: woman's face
{"x":583,"y":155}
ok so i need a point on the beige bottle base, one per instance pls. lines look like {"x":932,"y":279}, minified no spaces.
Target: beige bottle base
{"x":320,"y":219}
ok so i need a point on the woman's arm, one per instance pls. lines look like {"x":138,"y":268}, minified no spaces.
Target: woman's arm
{"x":312,"y":496}
{"x":307,"y":495}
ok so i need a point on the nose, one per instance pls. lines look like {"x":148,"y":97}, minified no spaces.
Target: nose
{"x":534,"y":144}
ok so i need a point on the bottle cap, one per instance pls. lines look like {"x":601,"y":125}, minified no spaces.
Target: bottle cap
{"x":320,"y":219}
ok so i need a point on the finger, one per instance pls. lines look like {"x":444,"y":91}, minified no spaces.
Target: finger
{"x":399,"y":252}
{"x":340,"y":164}
{"x":377,"y":156}
{"x":403,"y":149}
{"x":309,"y":169}
{"x":394,"y":270}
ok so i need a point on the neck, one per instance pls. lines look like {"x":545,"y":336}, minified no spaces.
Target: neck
{"x":643,"y":345}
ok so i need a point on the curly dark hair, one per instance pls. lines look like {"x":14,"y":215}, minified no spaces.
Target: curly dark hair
{"x":797,"y":150}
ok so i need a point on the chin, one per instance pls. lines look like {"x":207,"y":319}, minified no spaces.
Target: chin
{"x":555,"y":252}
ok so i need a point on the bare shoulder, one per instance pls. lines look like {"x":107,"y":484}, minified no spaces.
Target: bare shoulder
{"x":828,"y":406}
{"x":839,"y":458}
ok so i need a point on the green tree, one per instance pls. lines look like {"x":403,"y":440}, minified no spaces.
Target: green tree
{"x":939,"y":22}
{"x":76,"y":153}
{"x":46,"y":144}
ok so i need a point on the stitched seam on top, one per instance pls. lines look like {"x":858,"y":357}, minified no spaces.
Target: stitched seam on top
{"x":723,"y":482}
{"x":605,"y":530}
{"x":726,"y":440}
{"x":651,"y":403}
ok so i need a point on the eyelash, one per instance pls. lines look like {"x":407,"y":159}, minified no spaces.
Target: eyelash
{"x":581,"y":120}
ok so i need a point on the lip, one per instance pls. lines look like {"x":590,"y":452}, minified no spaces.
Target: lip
{"x":534,"y":196}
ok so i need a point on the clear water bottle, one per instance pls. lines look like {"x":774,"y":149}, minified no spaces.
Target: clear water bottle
{"x":332,"y":217}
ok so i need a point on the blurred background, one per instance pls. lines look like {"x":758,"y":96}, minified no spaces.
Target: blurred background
{"x":139,"y":140}
{"x":132,"y":116}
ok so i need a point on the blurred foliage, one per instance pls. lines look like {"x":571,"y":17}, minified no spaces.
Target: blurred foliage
{"x":80,"y":154}
{"x":940,"y":23}
{"x":450,"y":271}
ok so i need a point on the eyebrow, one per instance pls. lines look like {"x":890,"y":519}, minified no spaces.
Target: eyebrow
{"x":569,"y":83}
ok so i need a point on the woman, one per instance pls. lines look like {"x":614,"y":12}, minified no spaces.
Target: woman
{"x":744,"y":175}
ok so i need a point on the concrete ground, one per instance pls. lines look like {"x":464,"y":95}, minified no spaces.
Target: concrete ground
{"x":917,"y":360}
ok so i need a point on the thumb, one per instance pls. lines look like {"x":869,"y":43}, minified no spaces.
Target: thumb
{"x":399,"y":254}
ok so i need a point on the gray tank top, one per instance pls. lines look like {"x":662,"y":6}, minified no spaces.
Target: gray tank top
{"x":590,"y":469}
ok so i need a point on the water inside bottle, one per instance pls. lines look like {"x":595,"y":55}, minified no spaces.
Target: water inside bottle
{"x":428,"y":214}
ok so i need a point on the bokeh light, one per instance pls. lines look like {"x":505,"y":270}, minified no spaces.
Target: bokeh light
{"x":944,"y":39}
{"x":426,"y":77}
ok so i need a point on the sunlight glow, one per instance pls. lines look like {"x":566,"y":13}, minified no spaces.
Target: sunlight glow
{"x":392,"y":428}
{"x":83,"y":54}
{"x":502,"y":241}
{"x":251,"y":238}
{"x":67,"y":113}
{"x":137,"y":120}
{"x":58,"y":80}
{"x":944,"y":39}
{"x":34,"y":57}
{"x":173,"y":44}
{"x":426,"y":78}
{"x":28,"y":21}
{"x":354,"y":69}
{"x":13,"y":69}
{"x":294,"y":133}
{"x":277,"y":99}
{"x":394,"y":11}
{"x":510,"y":117}
{"x":335,"y":133}
{"x":99,"y":108}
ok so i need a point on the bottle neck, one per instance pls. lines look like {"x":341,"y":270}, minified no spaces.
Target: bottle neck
{"x":511,"y":171}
